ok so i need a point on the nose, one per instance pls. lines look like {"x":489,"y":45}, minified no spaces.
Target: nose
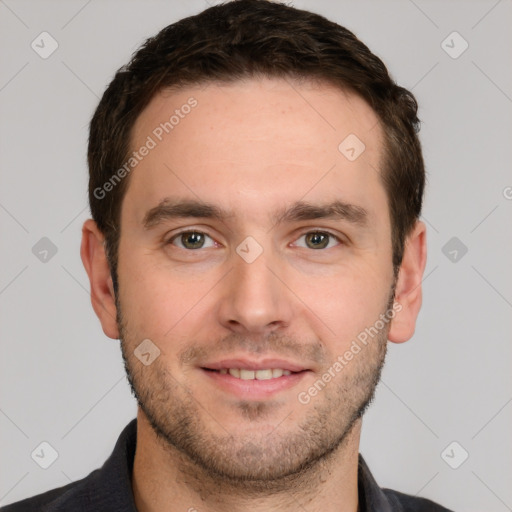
{"x":254,"y":299}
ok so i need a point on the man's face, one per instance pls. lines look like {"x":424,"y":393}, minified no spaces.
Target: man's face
{"x":264,"y":278}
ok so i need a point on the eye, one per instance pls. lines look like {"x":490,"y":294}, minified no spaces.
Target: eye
{"x":318,"y":240}
{"x":192,"y":240}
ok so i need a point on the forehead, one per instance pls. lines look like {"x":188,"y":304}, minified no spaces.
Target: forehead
{"x":235,"y":142}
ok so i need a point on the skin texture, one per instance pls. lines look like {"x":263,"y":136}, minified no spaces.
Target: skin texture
{"x":253,"y":148}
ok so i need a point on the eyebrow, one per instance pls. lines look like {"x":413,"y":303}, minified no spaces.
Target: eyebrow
{"x":169,"y":209}
{"x":336,"y":210}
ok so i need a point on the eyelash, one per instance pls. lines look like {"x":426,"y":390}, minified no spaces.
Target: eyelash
{"x":324,"y":232}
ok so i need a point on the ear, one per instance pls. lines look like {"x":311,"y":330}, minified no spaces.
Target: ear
{"x":408,"y":286}
{"x":95,"y":261}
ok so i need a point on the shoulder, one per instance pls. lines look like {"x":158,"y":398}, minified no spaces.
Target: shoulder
{"x":408,"y":503}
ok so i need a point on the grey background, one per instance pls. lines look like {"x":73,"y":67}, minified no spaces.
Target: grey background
{"x":62,"y":379}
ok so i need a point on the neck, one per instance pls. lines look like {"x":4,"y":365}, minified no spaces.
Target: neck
{"x":163,"y":476}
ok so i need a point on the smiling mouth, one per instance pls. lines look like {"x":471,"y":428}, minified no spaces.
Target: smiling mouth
{"x":244,"y":374}
{"x":259,"y":381}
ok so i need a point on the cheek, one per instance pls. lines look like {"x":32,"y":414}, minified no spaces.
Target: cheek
{"x":343,"y":305}
{"x":145,"y":296}
{"x":160,"y":304}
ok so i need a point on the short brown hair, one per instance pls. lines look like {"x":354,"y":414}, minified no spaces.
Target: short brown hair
{"x":250,"y":38}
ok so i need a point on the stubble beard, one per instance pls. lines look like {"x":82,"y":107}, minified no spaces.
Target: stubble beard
{"x":254,"y":462}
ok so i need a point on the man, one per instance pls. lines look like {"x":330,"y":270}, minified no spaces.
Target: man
{"x":256,"y":182}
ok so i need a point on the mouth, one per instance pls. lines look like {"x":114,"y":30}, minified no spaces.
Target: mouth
{"x":243,"y":374}
{"x":254,"y":380}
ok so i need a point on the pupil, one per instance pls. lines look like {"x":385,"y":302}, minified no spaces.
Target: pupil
{"x":192,"y":240}
{"x":317,"y":240}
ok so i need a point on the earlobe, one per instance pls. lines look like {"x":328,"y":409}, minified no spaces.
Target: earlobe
{"x":408,"y":293}
{"x":94,"y":259}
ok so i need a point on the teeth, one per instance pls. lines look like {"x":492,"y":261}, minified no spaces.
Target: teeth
{"x":247,"y":374}
{"x":241,"y":373}
{"x":264,"y":374}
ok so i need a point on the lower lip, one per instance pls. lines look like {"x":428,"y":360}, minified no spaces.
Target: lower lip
{"x":254,"y":389}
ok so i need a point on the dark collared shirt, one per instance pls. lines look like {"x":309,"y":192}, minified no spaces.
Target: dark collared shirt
{"x":109,"y":488}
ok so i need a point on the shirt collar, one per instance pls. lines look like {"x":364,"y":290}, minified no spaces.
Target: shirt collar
{"x":371,"y":496}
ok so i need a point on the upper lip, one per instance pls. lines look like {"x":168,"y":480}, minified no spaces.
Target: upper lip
{"x":248,"y":364}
